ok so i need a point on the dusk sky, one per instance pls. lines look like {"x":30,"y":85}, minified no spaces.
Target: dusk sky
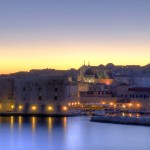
{"x":61,"y":34}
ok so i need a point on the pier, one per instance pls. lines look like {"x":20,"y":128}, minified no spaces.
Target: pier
{"x":144,"y":121}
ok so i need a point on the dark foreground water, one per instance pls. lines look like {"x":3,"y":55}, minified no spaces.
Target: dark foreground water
{"x":72,"y":133}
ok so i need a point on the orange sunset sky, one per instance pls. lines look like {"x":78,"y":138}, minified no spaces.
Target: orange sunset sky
{"x":62,"y":34}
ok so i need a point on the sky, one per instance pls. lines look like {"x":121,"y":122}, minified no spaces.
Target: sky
{"x":62,"y":34}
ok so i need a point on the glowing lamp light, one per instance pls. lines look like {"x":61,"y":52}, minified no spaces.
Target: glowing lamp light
{"x":123,"y":106}
{"x":103,"y":103}
{"x":69,"y":104}
{"x":20,"y":107}
{"x":130,"y":115}
{"x":33,"y":108}
{"x":12,"y":106}
{"x":49,"y":108}
{"x":78,"y":103}
{"x":130,"y":104}
{"x":138,"y":105}
{"x":111,"y":103}
{"x":65,"y":108}
{"x":108,"y":83}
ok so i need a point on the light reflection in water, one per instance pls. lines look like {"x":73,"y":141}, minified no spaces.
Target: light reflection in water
{"x":49,"y":124}
{"x":20,"y":122}
{"x":33,"y":124}
{"x":12,"y":122}
{"x":71,"y":133}
{"x":64,"y":123}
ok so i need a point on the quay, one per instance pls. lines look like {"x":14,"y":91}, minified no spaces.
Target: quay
{"x":38,"y":114}
{"x":143,"y":121}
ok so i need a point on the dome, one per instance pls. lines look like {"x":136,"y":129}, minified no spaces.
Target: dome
{"x":110,"y":66}
{"x":88,"y":72}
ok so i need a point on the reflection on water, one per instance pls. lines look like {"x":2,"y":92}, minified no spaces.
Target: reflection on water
{"x":20,"y":122}
{"x":33,"y":122}
{"x":65,"y":122}
{"x":12,"y":122}
{"x":49,"y":124}
{"x":72,"y":133}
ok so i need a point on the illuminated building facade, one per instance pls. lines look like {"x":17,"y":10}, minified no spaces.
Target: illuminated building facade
{"x":93,"y":74}
{"x":36,"y":95}
{"x":43,"y":91}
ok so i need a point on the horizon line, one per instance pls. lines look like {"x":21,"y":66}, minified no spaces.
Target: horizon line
{"x":9,"y":73}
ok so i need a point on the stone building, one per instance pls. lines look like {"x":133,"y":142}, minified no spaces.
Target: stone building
{"x":6,"y":94}
{"x":138,"y":97}
{"x":36,"y":94}
{"x":41,"y":93}
{"x":93,"y":74}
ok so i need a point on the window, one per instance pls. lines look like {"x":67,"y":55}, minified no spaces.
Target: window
{"x":56,"y":89}
{"x":55,"y":98}
{"x":24,"y":89}
{"x":55,"y":81}
{"x":40,"y":98}
{"x":9,"y":96}
{"x":40,"y":89}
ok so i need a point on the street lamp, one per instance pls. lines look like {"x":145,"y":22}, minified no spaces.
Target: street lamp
{"x":50,"y":108}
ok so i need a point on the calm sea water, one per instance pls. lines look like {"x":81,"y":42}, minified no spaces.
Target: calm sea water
{"x":72,"y":133}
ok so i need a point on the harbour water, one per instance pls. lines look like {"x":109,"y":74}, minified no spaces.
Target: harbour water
{"x":70,"y":133}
